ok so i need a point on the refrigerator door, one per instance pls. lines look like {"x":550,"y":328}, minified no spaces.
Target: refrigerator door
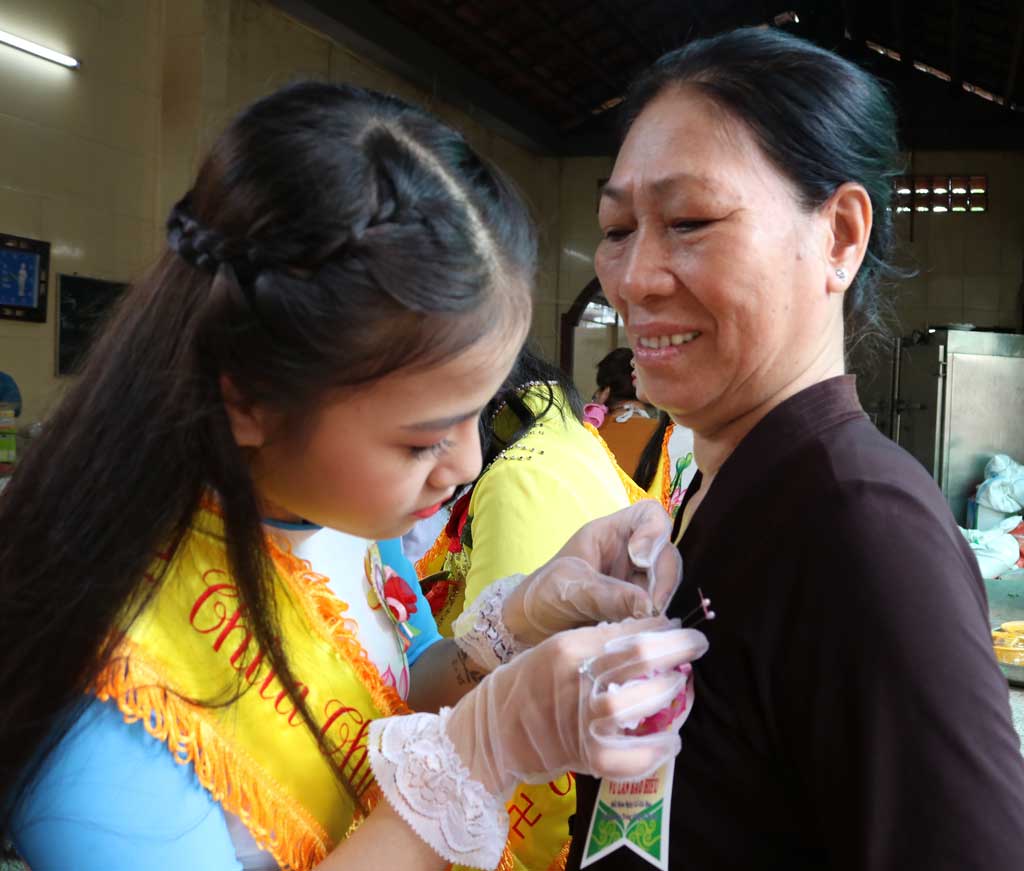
{"x":984,"y":403}
{"x":918,"y":407}
{"x":877,"y":371}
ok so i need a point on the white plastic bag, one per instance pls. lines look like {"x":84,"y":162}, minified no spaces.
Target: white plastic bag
{"x":995,"y":549}
{"x":1003,"y":464}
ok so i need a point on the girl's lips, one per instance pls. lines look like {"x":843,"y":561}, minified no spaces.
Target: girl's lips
{"x":424,"y":513}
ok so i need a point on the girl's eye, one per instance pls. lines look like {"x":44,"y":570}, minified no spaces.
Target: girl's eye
{"x":435,"y":450}
{"x":615,"y":234}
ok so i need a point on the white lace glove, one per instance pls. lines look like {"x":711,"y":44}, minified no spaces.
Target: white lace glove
{"x":567,"y":704}
{"x":615,"y":567}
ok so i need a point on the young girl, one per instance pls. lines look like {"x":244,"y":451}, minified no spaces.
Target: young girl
{"x":345,"y":287}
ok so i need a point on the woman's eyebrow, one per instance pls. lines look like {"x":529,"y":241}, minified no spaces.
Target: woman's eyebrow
{"x":660,"y":186}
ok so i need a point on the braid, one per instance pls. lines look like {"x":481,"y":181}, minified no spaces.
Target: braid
{"x":399,"y":215}
{"x":482,"y":238}
{"x":204,"y":248}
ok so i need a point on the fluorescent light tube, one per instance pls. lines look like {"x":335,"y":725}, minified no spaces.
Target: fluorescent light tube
{"x":38,"y":50}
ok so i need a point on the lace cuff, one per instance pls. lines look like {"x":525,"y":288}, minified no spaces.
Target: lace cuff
{"x":423,"y":778}
{"x":481,"y":631}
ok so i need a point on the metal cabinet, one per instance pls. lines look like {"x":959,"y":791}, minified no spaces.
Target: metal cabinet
{"x":957,"y":398}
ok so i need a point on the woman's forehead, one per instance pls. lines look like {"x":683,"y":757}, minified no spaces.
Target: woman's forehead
{"x":682,"y":142}
{"x":685,"y":116}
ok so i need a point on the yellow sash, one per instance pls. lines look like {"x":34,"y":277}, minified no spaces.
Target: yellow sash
{"x":255,"y":755}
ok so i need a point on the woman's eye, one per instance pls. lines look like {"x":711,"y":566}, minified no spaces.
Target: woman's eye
{"x":435,"y":450}
{"x":615,"y":234}
{"x":689,"y":226}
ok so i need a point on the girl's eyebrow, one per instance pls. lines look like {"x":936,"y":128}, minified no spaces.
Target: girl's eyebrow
{"x":443,"y":422}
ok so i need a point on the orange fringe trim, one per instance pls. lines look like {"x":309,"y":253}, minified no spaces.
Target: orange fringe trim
{"x":433,"y":560}
{"x":326,"y":613}
{"x":276,"y":821}
{"x":633,"y":490}
{"x":508,"y":860}
{"x":562,"y":858}
{"x":667,"y":471}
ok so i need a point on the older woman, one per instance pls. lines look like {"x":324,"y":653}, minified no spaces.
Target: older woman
{"x":849,"y":713}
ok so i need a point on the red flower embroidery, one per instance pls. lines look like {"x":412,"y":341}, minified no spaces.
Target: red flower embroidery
{"x":395,"y":588}
{"x":457,"y":522}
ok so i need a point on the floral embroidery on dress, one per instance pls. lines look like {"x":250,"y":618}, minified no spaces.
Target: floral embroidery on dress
{"x":387,"y":587}
{"x":677,"y":490}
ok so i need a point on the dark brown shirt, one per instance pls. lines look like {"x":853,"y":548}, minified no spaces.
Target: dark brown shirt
{"x":849,"y":713}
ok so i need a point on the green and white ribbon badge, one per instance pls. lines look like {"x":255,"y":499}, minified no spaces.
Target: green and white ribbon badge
{"x":634,"y":815}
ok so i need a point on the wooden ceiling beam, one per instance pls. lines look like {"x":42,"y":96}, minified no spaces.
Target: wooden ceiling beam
{"x":648,"y":52}
{"x":540,"y":12}
{"x":1018,"y":46}
{"x":572,"y":106}
{"x":368,"y":30}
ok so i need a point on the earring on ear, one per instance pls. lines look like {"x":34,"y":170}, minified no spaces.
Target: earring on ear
{"x":841,"y":274}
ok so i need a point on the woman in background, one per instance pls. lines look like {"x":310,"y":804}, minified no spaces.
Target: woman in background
{"x":627,"y":423}
{"x":545,"y":474}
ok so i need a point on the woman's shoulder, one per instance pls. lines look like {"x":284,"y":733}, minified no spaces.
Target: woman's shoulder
{"x":855,"y":461}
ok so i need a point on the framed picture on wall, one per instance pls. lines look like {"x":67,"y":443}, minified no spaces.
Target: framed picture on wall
{"x":84,"y":305}
{"x":24,"y":273}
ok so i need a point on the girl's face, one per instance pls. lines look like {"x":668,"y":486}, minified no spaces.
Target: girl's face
{"x":380,"y":458}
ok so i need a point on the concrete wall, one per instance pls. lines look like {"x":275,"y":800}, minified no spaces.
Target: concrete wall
{"x":970,"y":263}
{"x":246,"y":49}
{"x":78,"y":157}
{"x":91,"y":160}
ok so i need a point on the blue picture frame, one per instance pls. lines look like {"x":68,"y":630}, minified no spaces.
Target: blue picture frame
{"x":24,"y":278}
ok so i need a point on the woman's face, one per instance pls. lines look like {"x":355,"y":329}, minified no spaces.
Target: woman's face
{"x":381,"y":458}
{"x":717,"y":271}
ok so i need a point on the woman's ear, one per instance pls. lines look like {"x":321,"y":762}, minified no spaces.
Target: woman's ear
{"x":849,"y":214}
{"x":246,"y":420}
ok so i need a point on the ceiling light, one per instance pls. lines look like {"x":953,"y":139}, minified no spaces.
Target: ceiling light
{"x":789,"y":17}
{"x":981,"y":92}
{"x":38,"y":50}
{"x":932,"y":71}
{"x":881,"y":49}
{"x":606,"y":105}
